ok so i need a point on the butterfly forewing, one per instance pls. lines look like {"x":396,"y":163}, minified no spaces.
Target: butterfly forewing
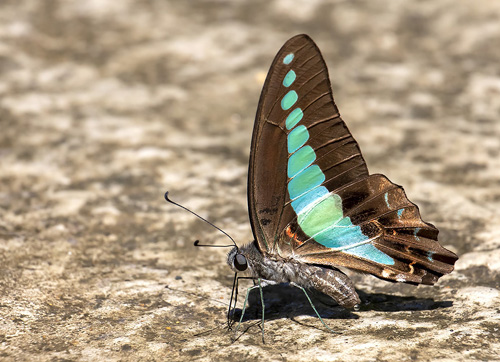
{"x":269,"y":204}
{"x":310,"y":195}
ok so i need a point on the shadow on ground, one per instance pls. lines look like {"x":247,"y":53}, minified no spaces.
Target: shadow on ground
{"x":275,"y":295}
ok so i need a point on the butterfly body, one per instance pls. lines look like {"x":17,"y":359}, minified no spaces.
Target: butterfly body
{"x":275,"y":270}
{"x":313,"y":205}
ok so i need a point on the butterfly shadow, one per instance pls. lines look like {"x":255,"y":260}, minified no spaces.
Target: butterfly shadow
{"x":285,"y":301}
{"x":382,"y":302}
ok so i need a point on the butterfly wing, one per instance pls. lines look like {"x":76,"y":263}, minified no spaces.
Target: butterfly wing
{"x":310,"y":195}
{"x":277,"y":122}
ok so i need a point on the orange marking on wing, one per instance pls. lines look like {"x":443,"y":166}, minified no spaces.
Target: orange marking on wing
{"x":293,"y":236}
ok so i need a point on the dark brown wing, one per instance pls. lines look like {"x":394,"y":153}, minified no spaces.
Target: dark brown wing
{"x":310,"y":195}
{"x":269,"y":208}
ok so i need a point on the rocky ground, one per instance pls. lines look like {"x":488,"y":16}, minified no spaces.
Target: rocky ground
{"x":105,"y":105}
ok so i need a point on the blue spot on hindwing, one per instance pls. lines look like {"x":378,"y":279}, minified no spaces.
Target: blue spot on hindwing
{"x":415,"y":233}
{"x":429,"y":255}
{"x":368,"y":251}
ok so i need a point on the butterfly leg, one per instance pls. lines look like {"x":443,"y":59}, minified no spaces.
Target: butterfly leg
{"x":314,"y":308}
{"x":263,"y":307}
{"x":234,"y":293}
{"x":245,"y":306}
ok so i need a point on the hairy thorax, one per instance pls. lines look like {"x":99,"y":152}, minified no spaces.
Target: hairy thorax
{"x":269,"y":268}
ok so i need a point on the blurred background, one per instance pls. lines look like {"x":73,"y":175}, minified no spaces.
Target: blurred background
{"x":105,"y":105}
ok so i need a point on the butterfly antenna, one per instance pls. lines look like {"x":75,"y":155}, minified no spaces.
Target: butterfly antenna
{"x":197,"y":242}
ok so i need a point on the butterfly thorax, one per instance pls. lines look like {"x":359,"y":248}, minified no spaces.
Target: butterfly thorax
{"x":275,"y":270}
{"x":269,"y":268}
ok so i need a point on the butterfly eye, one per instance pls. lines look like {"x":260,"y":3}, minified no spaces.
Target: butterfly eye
{"x":240,"y":262}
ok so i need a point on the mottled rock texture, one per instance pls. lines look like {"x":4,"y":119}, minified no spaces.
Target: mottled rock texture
{"x":106,"y":104}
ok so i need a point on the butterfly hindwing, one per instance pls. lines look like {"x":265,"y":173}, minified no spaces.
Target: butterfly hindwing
{"x":310,"y":195}
{"x":395,"y":244}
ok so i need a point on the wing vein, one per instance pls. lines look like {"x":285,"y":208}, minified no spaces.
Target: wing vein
{"x":285,"y":90}
{"x":386,"y":213}
{"x":352,"y":210}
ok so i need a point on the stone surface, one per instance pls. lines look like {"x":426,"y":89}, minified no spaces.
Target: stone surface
{"x":104,"y":105}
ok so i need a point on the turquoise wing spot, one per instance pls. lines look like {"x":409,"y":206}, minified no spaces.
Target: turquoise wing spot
{"x":297,"y":138}
{"x":322,"y":215}
{"x":288,"y":59}
{"x":300,"y":160}
{"x":340,"y":236}
{"x":429,"y":255}
{"x":319,"y":212}
{"x":415,"y":233}
{"x":326,"y":224}
{"x":293,"y":118}
{"x":289,"y":78}
{"x":289,"y":100}
{"x":368,"y":251}
{"x":400,"y":213}
{"x":308,"y":199}
{"x":305,"y":180}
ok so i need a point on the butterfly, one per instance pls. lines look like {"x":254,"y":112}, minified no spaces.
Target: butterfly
{"x":313,"y":205}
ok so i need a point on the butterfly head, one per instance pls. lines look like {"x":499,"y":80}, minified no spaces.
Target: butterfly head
{"x":236,"y":260}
